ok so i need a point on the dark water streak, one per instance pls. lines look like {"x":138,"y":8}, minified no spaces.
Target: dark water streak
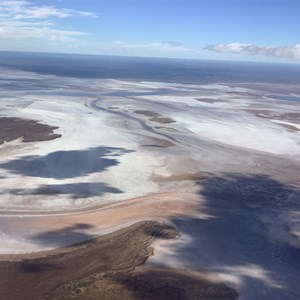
{"x":146,"y":127}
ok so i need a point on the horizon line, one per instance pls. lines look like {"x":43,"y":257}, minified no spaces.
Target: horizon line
{"x":152,"y":57}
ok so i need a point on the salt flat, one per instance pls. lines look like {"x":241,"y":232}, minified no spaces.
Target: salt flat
{"x":214,"y":160}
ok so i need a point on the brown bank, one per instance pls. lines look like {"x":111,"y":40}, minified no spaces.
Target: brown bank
{"x":108,"y":267}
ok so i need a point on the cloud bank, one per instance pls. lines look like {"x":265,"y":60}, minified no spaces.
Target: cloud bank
{"x":287,"y":52}
{"x":22,"y":19}
{"x":167,"y":47}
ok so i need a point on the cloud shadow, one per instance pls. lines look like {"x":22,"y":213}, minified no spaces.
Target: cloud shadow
{"x":250,"y":236}
{"x":75,"y":234}
{"x":75,"y":190}
{"x":66,"y":164}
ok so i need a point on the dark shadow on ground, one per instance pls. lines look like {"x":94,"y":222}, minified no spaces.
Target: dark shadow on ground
{"x":64,"y":237}
{"x":251,"y":234}
{"x":66,"y":164}
{"x":75,"y":190}
{"x":171,"y":284}
{"x":249,"y":191}
{"x":37,"y":266}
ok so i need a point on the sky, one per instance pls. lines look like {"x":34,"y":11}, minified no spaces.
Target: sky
{"x":251,"y":30}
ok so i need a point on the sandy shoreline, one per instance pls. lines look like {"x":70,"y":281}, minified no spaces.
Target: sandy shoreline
{"x":45,"y":232}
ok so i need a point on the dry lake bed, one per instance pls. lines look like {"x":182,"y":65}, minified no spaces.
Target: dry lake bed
{"x":125,"y":189}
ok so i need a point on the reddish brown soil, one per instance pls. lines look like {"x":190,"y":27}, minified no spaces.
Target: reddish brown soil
{"x":180,"y":177}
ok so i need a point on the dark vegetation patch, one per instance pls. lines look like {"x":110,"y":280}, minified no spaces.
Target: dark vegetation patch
{"x":155,"y":117}
{"x":208,"y":100}
{"x":30,"y":130}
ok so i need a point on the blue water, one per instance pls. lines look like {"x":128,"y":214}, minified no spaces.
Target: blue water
{"x":152,"y":69}
{"x":288,"y":98}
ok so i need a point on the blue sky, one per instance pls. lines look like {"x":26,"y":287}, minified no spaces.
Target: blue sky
{"x":265,"y":30}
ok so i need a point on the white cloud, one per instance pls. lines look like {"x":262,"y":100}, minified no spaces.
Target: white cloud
{"x":25,"y":10}
{"x":24,"y":30}
{"x":22,"y":19}
{"x":287,"y":52}
{"x":172,"y":46}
